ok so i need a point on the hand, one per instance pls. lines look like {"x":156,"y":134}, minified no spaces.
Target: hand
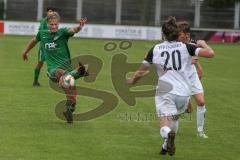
{"x":201,"y":43}
{"x":82,"y":21}
{"x":194,"y":60}
{"x":25,"y":56}
{"x":189,"y":108}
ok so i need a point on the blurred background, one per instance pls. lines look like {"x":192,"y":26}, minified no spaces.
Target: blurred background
{"x":200,"y":13}
{"x":29,"y":128}
{"x":211,"y":20}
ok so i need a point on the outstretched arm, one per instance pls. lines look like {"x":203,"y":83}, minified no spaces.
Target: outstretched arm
{"x":138,"y":74}
{"x":29,"y":46}
{"x":79,"y":27}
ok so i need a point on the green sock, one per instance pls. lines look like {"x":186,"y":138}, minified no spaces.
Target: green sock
{"x":36,"y":74}
{"x":75,"y":74}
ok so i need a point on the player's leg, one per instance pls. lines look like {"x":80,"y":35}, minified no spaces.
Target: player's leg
{"x":176,"y":105}
{"x":181,"y":102}
{"x":168,"y":135}
{"x":197,"y":91}
{"x":59,"y":73}
{"x":71,"y":94}
{"x":80,"y":71}
{"x":38,"y":68}
{"x":165,"y":107}
{"x":37,"y":73}
{"x":201,"y":110}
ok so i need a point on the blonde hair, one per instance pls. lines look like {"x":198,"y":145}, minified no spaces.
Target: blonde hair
{"x":53,"y":15}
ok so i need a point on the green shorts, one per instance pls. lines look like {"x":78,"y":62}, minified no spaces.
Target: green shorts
{"x":51,"y":74}
{"x":41,"y":57}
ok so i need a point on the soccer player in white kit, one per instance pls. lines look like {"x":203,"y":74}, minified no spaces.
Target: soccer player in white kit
{"x":197,"y":89}
{"x":172,"y":60}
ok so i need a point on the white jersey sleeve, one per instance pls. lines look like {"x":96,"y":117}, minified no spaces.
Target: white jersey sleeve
{"x":148,"y":58}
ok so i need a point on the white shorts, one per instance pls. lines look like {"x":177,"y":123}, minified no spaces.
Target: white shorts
{"x":196,"y":85}
{"x":170,"y":104}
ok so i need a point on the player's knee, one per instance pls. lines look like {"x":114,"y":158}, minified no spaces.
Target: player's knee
{"x":200,"y":102}
{"x":200,"y":99}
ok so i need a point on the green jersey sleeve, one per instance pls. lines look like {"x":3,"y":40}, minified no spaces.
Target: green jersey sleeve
{"x":38,"y":36}
{"x":66,"y":32}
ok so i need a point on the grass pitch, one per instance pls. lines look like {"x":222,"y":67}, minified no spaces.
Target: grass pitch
{"x":30,"y":130}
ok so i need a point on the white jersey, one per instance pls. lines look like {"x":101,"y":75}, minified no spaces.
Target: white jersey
{"x":175,"y":59}
{"x":192,"y":69}
{"x":193,"y":75}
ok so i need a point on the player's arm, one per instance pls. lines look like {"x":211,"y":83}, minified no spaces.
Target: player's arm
{"x":142,"y":68}
{"x":79,"y":27}
{"x":201,"y":49}
{"x":206,"y":50}
{"x":138,"y":74}
{"x":29,"y":46}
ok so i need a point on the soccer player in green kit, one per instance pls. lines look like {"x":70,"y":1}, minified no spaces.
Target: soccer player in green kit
{"x":43,"y":26}
{"x":54,"y":42}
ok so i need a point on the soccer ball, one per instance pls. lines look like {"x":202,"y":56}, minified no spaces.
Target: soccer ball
{"x":68,"y":81}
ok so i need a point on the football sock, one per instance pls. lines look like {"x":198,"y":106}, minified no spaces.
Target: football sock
{"x":200,"y":118}
{"x":164,"y":146}
{"x":174,"y":126}
{"x":70,"y":105}
{"x":164,"y":131}
{"x":76,"y":74}
{"x":36,"y":74}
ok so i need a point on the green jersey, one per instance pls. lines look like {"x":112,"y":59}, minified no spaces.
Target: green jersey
{"x":55,"y":48}
{"x":43,"y":24}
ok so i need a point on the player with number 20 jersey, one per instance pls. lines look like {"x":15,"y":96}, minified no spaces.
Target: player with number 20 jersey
{"x":172,"y":60}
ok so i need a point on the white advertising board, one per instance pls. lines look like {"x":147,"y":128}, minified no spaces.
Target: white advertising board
{"x":90,"y":30}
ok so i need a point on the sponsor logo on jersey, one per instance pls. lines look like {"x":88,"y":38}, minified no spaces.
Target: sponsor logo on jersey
{"x":50,"y":45}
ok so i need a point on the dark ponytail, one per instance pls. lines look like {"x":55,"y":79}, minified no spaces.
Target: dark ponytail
{"x":170,"y":29}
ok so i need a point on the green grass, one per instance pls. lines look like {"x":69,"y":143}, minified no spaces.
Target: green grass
{"x":29,"y":129}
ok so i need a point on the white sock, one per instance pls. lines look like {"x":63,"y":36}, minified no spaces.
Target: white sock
{"x":174,"y":126}
{"x":200,"y":118}
{"x":164,"y":146}
{"x":164,"y":131}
